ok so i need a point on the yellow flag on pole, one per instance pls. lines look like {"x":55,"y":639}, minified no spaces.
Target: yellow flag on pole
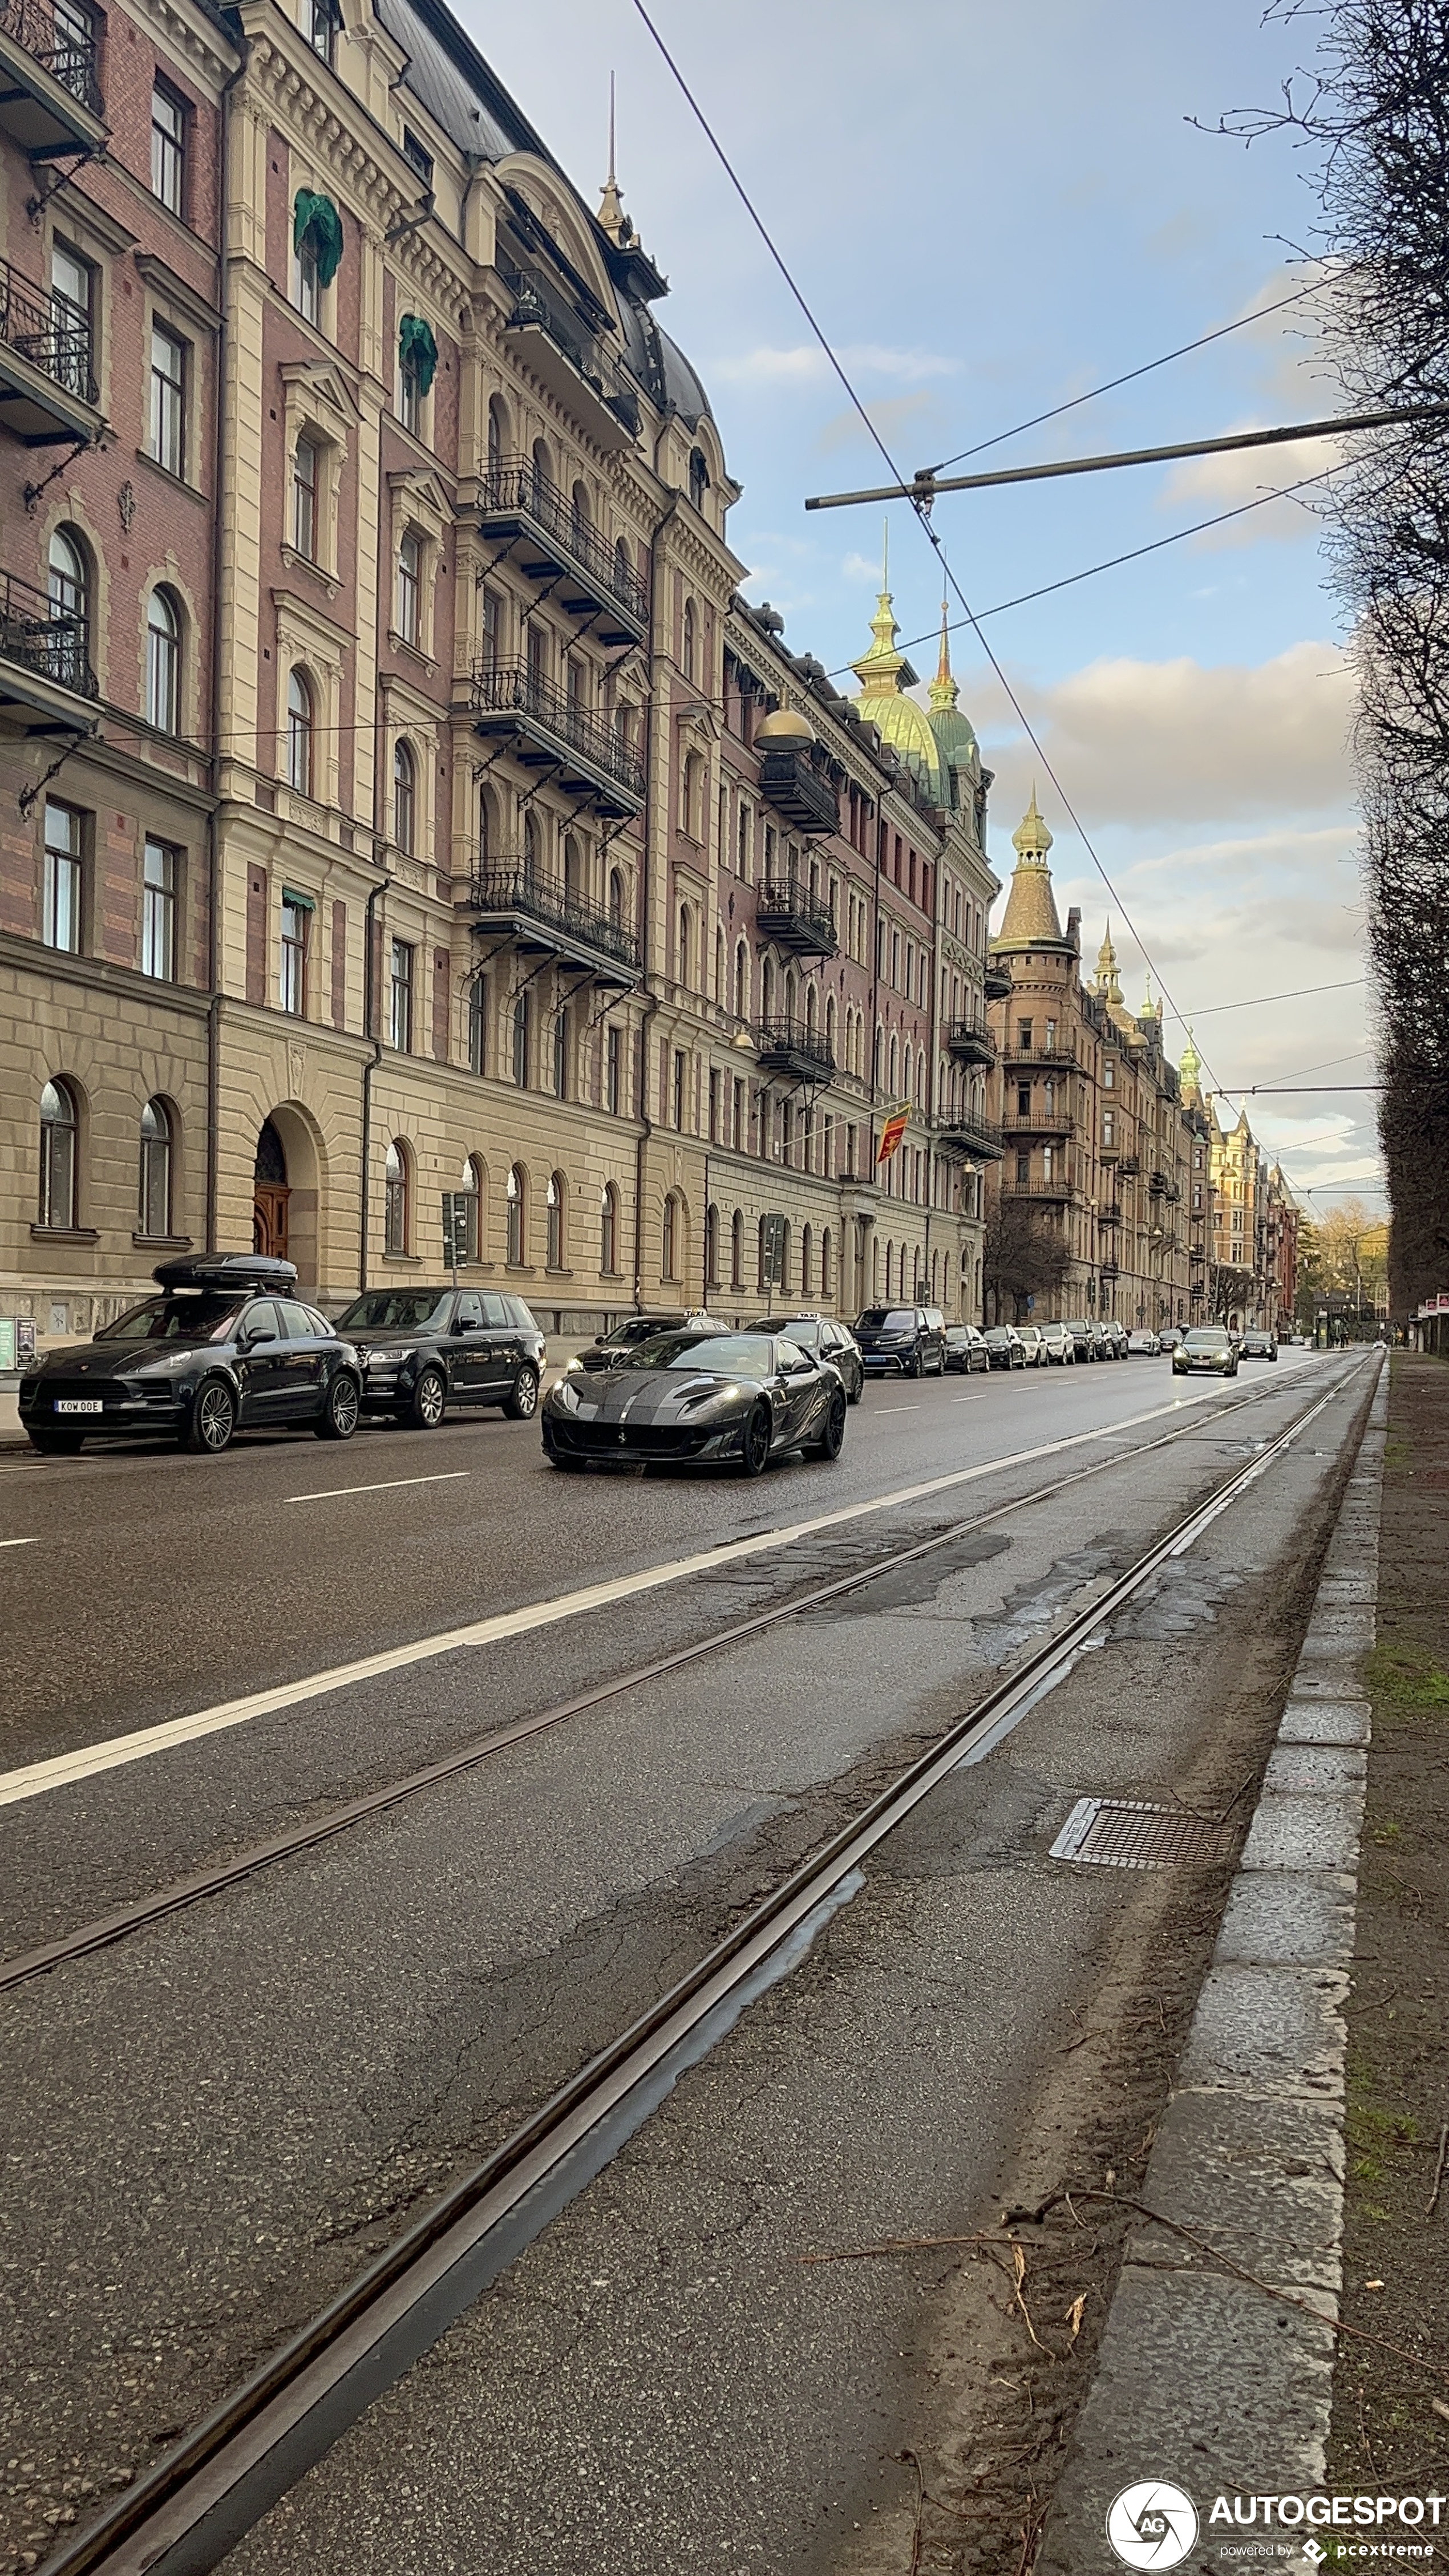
{"x":892,"y":1132}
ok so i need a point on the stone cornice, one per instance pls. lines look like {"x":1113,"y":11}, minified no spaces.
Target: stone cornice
{"x":195,"y":35}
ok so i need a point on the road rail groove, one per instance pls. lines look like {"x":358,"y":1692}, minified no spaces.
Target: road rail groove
{"x":127,"y":1920}
{"x":193,"y":2505}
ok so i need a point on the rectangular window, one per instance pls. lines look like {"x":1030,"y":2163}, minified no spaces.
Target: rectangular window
{"x":71,"y":300}
{"x":168,"y":399}
{"x":714,"y":1104}
{"x":304,"y":499}
{"x":159,"y":875}
{"x":320,"y":22}
{"x":1023,"y":1032}
{"x":417,"y":155}
{"x":306,"y":284}
{"x":409,"y":587}
{"x":1023,"y":1100}
{"x":1109,"y":1128}
{"x":296,"y":921}
{"x":679,"y":1062}
{"x":1109,"y":1075}
{"x":402,"y":997}
{"x":168,"y":149}
{"x":61,"y":926}
{"x":477,"y":1027}
{"x":1023,"y":1171}
{"x":491,"y":630}
{"x":737,"y":1115}
{"x":535,"y":653}
{"x":410,"y":398}
{"x":611,"y":1070}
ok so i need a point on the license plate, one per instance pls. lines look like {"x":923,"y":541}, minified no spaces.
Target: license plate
{"x":79,"y":1404}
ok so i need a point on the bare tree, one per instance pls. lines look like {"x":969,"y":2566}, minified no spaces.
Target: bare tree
{"x":1023,"y":1256}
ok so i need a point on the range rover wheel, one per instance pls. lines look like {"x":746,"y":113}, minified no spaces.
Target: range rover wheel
{"x":430,"y":1400}
{"x":522,"y":1404}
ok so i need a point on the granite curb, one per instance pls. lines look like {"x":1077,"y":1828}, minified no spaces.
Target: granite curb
{"x":1201,"y":2379}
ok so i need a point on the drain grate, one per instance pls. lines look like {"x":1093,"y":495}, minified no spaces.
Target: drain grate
{"x":1133,"y":1833}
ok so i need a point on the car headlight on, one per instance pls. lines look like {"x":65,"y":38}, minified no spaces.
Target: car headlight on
{"x":566,"y":1393}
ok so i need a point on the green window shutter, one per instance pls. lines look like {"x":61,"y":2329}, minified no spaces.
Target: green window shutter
{"x":315,"y":218}
{"x":417,"y":348}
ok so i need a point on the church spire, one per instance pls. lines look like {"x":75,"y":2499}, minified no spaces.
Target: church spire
{"x":943,"y":690}
{"x":611,"y":205}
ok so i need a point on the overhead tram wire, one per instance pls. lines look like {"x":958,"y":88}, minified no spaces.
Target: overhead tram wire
{"x":1038,"y":418}
{"x":922,"y":512}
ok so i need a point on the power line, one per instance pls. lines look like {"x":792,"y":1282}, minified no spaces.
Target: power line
{"x":1188,"y":346}
{"x":1283,"y":492}
{"x":1353,"y":984}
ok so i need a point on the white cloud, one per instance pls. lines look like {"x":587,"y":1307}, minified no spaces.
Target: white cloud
{"x":1163,"y":743}
{"x":808,"y":365}
{"x":890,"y":419}
{"x":1206,"y":484}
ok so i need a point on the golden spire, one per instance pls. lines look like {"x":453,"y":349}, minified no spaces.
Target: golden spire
{"x":611,"y":205}
{"x":943,"y":690}
{"x":1190,"y":1067}
{"x":878,"y":670}
{"x":1031,"y":840}
{"x":1107,"y":983}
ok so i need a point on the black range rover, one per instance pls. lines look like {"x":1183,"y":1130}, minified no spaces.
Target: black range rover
{"x":225,"y":1346}
{"x":423,"y":1349}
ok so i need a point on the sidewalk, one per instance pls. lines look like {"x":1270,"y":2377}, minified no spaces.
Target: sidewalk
{"x":1299,"y":2148}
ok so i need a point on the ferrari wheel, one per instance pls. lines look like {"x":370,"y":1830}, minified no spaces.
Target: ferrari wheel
{"x":832,"y":1437}
{"x":755,"y":1450}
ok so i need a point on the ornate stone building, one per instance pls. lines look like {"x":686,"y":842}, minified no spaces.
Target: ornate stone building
{"x":1255,"y":1230}
{"x":400,"y":810}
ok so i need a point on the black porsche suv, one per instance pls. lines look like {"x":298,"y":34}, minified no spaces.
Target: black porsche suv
{"x":226,"y":1346}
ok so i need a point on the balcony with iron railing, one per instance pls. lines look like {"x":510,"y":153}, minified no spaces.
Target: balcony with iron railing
{"x":996,"y":982}
{"x":796,"y":920}
{"x":1059,"y":1049}
{"x":517,"y":501}
{"x":545,"y":912}
{"x":44,"y":650}
{"x":1039,"y":1122}
{"x":1109,"y":1215}
{"x":565,"y":349}
{"x":790,"y":781}
{"x":792,"y":1048}
{"x":1058,"y":1189}
{"x":50,"y":90}
{"x":969,"y":1040}
{"x":961,"y":1131}
{"x":550,"y":727}
{"x":48,"y":391}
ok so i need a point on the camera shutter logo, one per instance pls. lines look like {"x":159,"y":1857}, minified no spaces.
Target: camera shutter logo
{"x":1152,"y":2524}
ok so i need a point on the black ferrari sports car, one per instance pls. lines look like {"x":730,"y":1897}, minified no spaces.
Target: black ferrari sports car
{"x":726,"y":1399}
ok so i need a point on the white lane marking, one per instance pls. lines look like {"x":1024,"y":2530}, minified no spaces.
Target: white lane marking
{"x":63,"y":1769}
{"x":978,"y":1398}
{"x":393,"y":1485}
{"x":899,"y":1408}
{"x":19,"y":1542}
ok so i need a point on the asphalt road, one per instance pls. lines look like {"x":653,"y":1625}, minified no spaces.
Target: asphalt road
{"x":206,"y":2128}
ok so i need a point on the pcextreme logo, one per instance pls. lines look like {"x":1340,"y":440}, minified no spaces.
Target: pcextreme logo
{"x":1151,"y":2524}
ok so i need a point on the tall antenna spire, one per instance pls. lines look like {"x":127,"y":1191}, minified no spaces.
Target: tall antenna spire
{"x":611,"y":204}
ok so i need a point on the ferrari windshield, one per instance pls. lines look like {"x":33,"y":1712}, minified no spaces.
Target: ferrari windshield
{"x":203,"y":1317}
{"x":396,"y":1310}
{"x":720,"y":1354}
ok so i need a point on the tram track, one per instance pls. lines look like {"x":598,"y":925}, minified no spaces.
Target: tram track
{"x":194,"y":2504}
{"x":124,"y":1922}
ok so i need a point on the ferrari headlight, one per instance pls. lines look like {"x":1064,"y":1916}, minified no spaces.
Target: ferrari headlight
{"x":566,"y":1394}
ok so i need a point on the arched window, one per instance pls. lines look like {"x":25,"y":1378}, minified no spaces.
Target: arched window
{"x":573,"y":869}
{"x":895,"y":1064}
{"x":582,"y":515}
{"x":875,"y":1060}
{"x":395,"y":1199}
{"x":608,"y":1230}
{"x":404,"y":797}
{"x":299,"y":732}
{"x":616,"y":898}
{"x":470,"y":1191}
{"x":561,"y":1055}
{"x":683,"y":955}
{"x":830,"y":1026}
{"x":688,"y":654}
{"x":767,"y":989}
{"x":153,"y":1198}
{"x":719,"y":962}
{"x":517,"y":1214}
{"x":542,"y":463}
{"x":742,"y":982}
{"x":497,"y":434}
{"x":807,"y":1260}
{"x":520,"y":1041}
{"x":624,"y":581}
{"x":59,"y":1131}
{"x":69,"y":577}
{"x":827,"y":1267}
{"x":698,"y":478}
{"x":556,"y":1188}
{"x":906,"y":1093}
{"x":890,"y":1272}
{"x":163,"y":663}
{"x":711,"y":1247}
{"x":737,"y":1249}
{"x":669,"y":1239}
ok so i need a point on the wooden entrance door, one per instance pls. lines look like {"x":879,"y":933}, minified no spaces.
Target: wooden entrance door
{"x":269,"y":1219}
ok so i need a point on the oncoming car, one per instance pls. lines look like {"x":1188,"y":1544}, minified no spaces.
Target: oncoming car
{"x":715,"y":1399}
{"x":224,"y":1347}
{"x":1207,"y":1346}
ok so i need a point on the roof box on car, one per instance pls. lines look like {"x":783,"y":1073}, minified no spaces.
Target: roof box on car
{"x":226,"y":1270}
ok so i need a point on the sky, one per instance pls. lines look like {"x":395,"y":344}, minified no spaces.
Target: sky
{"x":990,"y":211}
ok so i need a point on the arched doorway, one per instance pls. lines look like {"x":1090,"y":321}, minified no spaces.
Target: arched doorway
{"x":270,"y":1195}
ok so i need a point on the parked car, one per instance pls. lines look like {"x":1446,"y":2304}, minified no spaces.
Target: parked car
{"x":966,"y":1348}
{"x":1260,"y":1346}
{"x":830,"y":1341}
{"x":225,"y":1346}
{"x":424,"y":1349}
{"x":1206,"y":1346}
{"x":1058,"y":1345}
{"x":1004,"y":1347}
{"x":1103,"y":1346}
{"x":1168,"y":1338}
{"x":1030,"y":1338}
{"x":1083,"y":1340}
{"x":607,"y":1349}
{"x":718,"y":1399}
{"x":1118,"y":1337}
{"x":904,"y":1341}
{"x":1143,"y":1346}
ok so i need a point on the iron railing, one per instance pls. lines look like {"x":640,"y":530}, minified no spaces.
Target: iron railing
{"x":517,"y":886}
{"x":45,"y":638}
{"x":970,"y":1038}
{"x":797,"y":920}
{"x":62,"y":40}
{"x":516,"y":486}
{"x":539,"y":304}
{"x":969,"y":1134}
{"x":805,"y":1049}
{"x":50,"y":333}
{"x":1057,"y":1050}
{"x":1039,"y":1122}
{"x":514,"y":688}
